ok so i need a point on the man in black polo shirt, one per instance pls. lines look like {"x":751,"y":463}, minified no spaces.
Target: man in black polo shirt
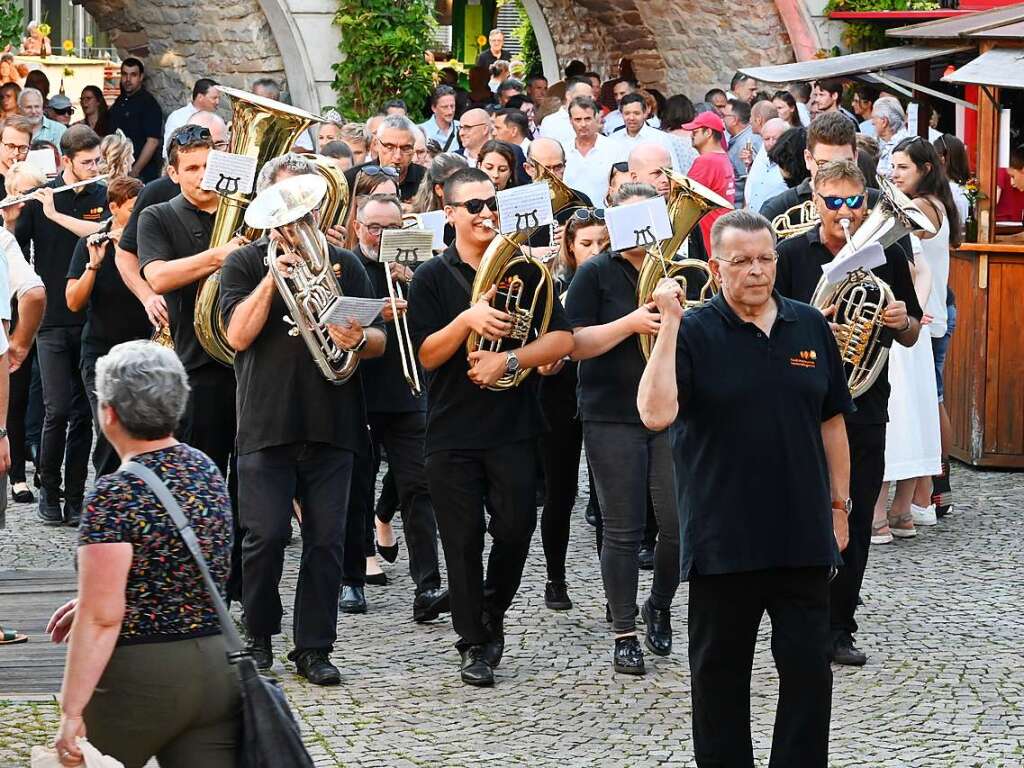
{"x":52,"y":225}
{"x":480,"y":443}
{"x":393,"y":144}
{"x":112,"y":315}
{"x":800,"y":261}
{"x":397,"y":423}
{"x":758,"y":386}
{"x":138,"y":115}
{"x":298,"y":435}
{"x":495,"y":49}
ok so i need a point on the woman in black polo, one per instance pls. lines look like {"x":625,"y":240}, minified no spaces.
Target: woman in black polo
{"x":585,"y":237}
{"x":627,"y":459}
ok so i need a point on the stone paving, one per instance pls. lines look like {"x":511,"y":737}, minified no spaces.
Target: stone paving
{"x":944,"y":685}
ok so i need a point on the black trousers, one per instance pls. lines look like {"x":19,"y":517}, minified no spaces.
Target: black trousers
{"x":104,"y":458}
{"x":724,"y":614}
{"x":867,"y":466}
{"x":630,"y":464}
{"x":67,"y":425}
{"x":560,"y":450}
{"x":359,"y":528}
{"x":459,"y":480}
{"x":269,"y":480}
{"x":17,"y":408}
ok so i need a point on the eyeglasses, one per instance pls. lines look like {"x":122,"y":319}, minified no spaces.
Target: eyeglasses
{"x":835,"y":202}
{"x":185,"y":136}
{"x":746,"y":262}
{"x":464,"y":127}
{"x":405,"y":149}
{"x":376,"y":170}
{"x":67,"y":111}
{"x":553,"y":167}
{"x":21,"y":149}
{"x":376,"y":229}
{"x":475,"y":205}
{"x":220,"y":146}
{"x":588,"y":214}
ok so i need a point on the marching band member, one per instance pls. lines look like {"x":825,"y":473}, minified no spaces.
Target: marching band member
{"x":628,"y":460}
{"x":479,"y":443}
{"x":757,"y":381}
{"x":298,"y":436}
{"x":839,"y":193}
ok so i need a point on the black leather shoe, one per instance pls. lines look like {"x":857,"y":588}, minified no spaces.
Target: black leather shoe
{"x":49,"y":510}
{"x":430,"y":604}
{"x":72,"y":513}
{"x":494,"y":649}
{"x":388,"y":553}
{"x":314,"y":664}
{"x":628,"y":657}
{"x":261,"y":653}
{"x":353,"y":600}
{"x":475,"y":670}
{"x":647,"y":558}
{"x":21,"y":493}
{"x":377,"y":579}
{"x":590,"y":515}
{"x":659,"y":629}
{"x":556,"y":596}
{"x":846,"y":653}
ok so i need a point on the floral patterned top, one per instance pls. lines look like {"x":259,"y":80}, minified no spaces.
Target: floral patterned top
{"x":165,"y":595}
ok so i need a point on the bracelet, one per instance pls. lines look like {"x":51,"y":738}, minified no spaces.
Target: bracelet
{"x":92,"y":267}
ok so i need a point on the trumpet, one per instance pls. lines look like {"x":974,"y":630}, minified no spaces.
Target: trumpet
{"x":405,"y":349}
{"x":18,"y":200}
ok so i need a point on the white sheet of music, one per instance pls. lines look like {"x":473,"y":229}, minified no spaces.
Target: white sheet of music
{"x":43,"y":160}
{"x":406,"y":246}
{"x":866,"y":258}
{"x":524,"y":207}
{"x":435,"y":221}
{"x":227,"y":174}
{"x":347,"y":308}
{"x":638,"y":224}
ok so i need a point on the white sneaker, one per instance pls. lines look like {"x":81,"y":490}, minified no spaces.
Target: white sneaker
{"x":923,"y":515}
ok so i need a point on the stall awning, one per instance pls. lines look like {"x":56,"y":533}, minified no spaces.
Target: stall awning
{"x":1002,"y":67}
{"x":961,"y":26}
{"x":852,"y":64}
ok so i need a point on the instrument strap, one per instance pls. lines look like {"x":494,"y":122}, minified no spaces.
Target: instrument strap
{"x":459,"y":277}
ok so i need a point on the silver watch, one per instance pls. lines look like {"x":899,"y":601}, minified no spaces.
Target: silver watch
{"x":511,"y":363}
{"x":361,"y":345}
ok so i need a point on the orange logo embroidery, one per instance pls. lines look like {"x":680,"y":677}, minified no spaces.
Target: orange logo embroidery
{"x":805,"y":358}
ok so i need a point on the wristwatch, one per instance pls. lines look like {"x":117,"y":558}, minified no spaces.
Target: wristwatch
{"x":844,"y":505}
{"x":3,"y":432}
{"x":511,"y":363}
{"x":361,"y":345}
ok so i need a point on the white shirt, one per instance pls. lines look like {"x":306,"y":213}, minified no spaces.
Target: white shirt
{"x":645,"y":134}
{"x":558,"y":126}
{"x":175,"y":120}
{"x":960,"y":198}
{"x":16,"y":275}
{"x":804,"y":112}
{"x":589,"y":173}
{"x":612,"y":122}
{"x":764,"y":181}
{"x":885,"y":149}
{"x":433,"y":131}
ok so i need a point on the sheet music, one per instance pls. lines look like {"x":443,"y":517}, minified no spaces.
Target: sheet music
{"x":227,"y":174}
{"x":43,"y":160}
{"x":638,"y":225}
{"x":406,"y":246}
{"x":345,"y":308}
{"x":524,"y":207}
{"x":435,"y":222}
{"x":866,"y":258}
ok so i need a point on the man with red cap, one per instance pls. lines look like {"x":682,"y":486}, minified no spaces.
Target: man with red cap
{"x":712,"y":168}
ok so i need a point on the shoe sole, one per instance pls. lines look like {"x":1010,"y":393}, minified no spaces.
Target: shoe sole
{"x":635,"y":671}
{"x":432,"y":612}
{"x":479,"y":683}
{"x":655,"y":651}
{"x":51,"y":523}
{"x":352,"y":610}
{"x":882,"y":539}
{"x":903,"y":534}
{"x":849,"y":662}
{"x":926,"y":523}
{"x":324,"y":683}
{"x":558,"y":606}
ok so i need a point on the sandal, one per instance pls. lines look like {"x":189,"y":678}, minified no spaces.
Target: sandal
{"x":902,"y":526}
{"x":881,"y":533}
{"x":10,"y":637}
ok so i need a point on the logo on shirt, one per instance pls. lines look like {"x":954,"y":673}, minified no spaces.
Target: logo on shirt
{"x":93,"y":214}
{"x":805,"y":358}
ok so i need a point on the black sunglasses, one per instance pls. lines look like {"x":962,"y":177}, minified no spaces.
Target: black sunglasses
{"x":835,"y":202}
{"x":190,"y":133}
{"x":475,"y":205}
{"x":588,"y":214}
{"x":620,"y":167}
{"x":376,"y":170}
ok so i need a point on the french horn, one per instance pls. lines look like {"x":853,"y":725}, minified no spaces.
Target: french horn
{"x":688,"y":202}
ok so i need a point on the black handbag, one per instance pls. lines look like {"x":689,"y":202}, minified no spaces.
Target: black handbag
{"x":270,"y":735}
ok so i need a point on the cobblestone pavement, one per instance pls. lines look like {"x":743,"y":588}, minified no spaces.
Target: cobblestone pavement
{"x":944,"y":685}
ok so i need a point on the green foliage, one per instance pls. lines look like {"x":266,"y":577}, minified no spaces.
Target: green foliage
{"x":530,"y":53}
{"x":867,"y":36}
{"x":12,"y":23}
{"x":383,"y":44}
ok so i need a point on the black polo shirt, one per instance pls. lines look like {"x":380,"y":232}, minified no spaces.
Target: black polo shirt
{"x":406,"y":189}
{"x":175,"y":230}
{"x":54,"y":245}
{"x":283,"y":397}
{"x":604,"y":290}
{"x":159,"y":191}
{"x":754,"y":490}
{"x":486,"y":58}
{"x":139,"y":116}
{"x":113,"y":314}
{"x":800,"y":261}
{"x":461,"y":415}
{"x":383,"y":379}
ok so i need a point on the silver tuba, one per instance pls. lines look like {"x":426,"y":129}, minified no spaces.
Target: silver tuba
{"x":312,"y":288}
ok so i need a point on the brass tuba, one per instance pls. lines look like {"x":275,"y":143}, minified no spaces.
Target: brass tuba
{"x":311,"y":289}
{"x":806,"y":215}
{"x":261,"y":128}
{"x":688,"y":203}
{"x":334,"y":208}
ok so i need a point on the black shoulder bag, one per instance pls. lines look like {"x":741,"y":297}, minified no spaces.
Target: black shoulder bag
{"x":270,"y":736}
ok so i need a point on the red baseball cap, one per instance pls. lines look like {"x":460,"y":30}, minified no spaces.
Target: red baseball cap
{"x":706,"y":120}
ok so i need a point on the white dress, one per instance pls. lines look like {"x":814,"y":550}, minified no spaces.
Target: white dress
{"x":912,"y":443}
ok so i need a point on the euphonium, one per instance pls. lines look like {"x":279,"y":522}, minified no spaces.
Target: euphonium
{"x":688,"y":203}
{"x":806,"y":218}
{"x":311,"y":288}
{"x":334,"y":208}
{"x":261,"y":128}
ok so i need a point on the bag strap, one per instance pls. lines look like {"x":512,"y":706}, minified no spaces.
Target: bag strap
{"x":236,"y":649}
{"x":451,"y":138}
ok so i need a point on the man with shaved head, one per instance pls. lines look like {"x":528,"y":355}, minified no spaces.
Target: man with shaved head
{"x":647,"y":164}
{"x":765,"y":179}
{"x":549,"y":154}
{"x":475,"y":130}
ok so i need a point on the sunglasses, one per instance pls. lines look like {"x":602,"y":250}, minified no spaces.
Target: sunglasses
{"x":621,"y":167}
{"x":376,"y":170}
{"x":190,"y":133}
{"x":475,"y":205}
{"x":835,"y":202}
{"x":588,"y":214}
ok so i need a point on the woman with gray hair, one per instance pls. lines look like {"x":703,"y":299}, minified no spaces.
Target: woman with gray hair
{"x":890,"y":121}
{"x":147,"y":672}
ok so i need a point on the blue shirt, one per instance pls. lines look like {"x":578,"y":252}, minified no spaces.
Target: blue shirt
{"x":433,"y":131}
{"x":50,"y":131}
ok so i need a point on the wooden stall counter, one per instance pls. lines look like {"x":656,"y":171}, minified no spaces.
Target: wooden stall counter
{"x":984,"y":374}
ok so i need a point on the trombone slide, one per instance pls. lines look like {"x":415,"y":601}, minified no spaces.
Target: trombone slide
{"x":405,"y":349}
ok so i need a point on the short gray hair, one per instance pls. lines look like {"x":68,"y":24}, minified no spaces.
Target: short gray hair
{"x":742,"y":219}
{"x":269,"y":84}
{"x":291,"y":162}
{"x":147,"y":387}
{"x":396,"y":123}
{"x":29,"y":92}
{"x":633,"y":189}
{"x":890,"y":110}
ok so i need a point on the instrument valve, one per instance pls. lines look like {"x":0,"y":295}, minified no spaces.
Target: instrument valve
{"x":292,"y":330}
